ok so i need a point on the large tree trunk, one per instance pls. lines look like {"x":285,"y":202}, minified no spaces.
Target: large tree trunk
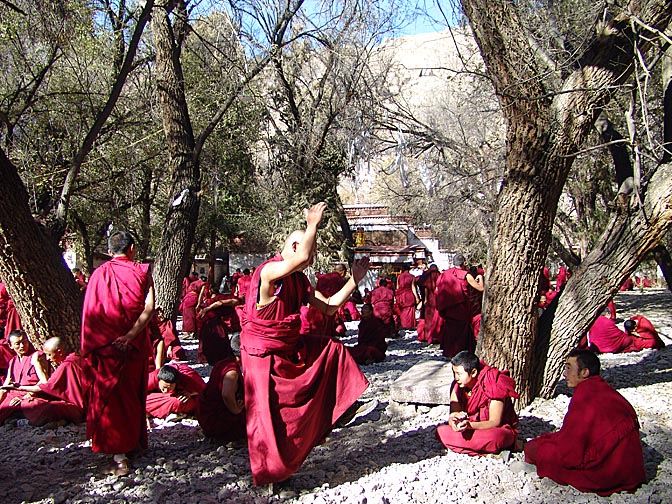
{"x":543,"y":137}
{"x":32,"y":267}
{"x":664,"y":261}
{"x":173,"y":255}
{"x":625,"y":243}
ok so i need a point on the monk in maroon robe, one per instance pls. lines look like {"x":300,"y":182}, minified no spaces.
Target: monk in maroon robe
{"x":27,"y":367}
{"x":626,"y":285}
{"x":4,"y":299}
{"x":605,"y":337}
{"x":452,"y":304}
{"x":296,"y":387}
{"x":174,"y":350}
{"x":118,"y":305}
{"x":561,"y":278}
{"x":349,"y":312}
{"x":221,"y":405}
{"x":188,"y":306}
{"x":314,"y":321}
{"x":173,"y":389}
{"x":13,"y":321}
{"x":382,"y":300}
{"x":407,"y":298}
{"x":427,"y":330}
{"x":643,"y":334}
{"x":215,"y":344}
{"x":482,"y":418}
{"x":63,"y":396}
{"x":598,"y":448}
{"x":371,"y":345}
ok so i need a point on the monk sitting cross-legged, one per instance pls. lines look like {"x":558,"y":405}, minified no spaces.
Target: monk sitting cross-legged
{"x":27,"y":367}
{"x":598,"y":447}
{"x":482,"y":419}
{"x":371,"y":344}
{"x":173,"y":389}
{"x":63,"y":396}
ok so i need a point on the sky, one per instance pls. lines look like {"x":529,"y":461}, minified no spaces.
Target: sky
{"x":430,"y":17}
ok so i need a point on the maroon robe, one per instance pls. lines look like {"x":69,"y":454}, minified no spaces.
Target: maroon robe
{"x":427,"y":283}
{"x":22,"y":372}
{"x":296,"y":387}
{"x":4,"y":300}
{"x":161,"y":405}
{"x":382,"y":300}
{"x":213,"y":416}
{"x":491,"y":383}
{"x":174,"y":350}
{"x":188,"y":306}
{"x":316,"y":323}
{"x":561,"y":279}
{"x":13,"y":320}
{"x":598,"y":447}
{"x":349,"y":312}
{"x":63,"y":397}
{"x":215,"y":344}
{"x":605,"y":337}
{"x":371,"y":345}
{"x":115,"y":298}
{"x":405,"y":298}
{"x":626,"y":285}
{"x":452,"y":304}
{"x":646,"y":337}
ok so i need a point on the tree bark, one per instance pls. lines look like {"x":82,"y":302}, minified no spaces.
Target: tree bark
{"x":663,"y":259}
{"x":32,"y":267}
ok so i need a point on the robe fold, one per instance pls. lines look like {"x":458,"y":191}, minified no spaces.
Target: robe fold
{"x":598,"y":448}
{"x":605,"y":337}
{"x":160,"y":405}
{"x":452,"y":304}
{"x":296,"y":386}
{"x":213,"y":416}
{"x":371,"y":345}
{"x":491,"y":384}
{"x":405,"y":298}
{"x":115,"y":298}
{"x":63,"y":397}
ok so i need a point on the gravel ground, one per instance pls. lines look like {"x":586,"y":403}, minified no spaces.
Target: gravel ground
{"x":390,"y":457}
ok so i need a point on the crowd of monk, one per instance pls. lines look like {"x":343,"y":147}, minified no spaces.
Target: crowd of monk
{"x":294,"y":380}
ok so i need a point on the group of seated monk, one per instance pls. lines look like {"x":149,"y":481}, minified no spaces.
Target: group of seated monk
{"x":605,"y":336}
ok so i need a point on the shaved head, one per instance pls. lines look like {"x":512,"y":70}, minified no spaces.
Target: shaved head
{"x":55,"y":349}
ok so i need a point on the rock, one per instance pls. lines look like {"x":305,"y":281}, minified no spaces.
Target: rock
{"x":427,"y":382}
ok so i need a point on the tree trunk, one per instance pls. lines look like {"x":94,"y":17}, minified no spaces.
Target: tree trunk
{"x":664,"y":261}
{"x":32,"y":267}
{"x":173,"y":254}
{"x":625,"y":243}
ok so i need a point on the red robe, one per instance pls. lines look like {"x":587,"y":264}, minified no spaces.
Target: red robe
{"x":427,"y":331}
{"x":160,"y":405}
{"x":63,"y":397}
{"x":13,"y":320}
{"x":626,"y":285}
{"x":174,"y":350}
{"x":4,"y":300}
{"x":598,"y":447}
{"x":213,"y":416}
{"x":491,"y":384}
{"x":605,"y":337}
{"x":316,"y":323}
{"x":215,"y":344}
{"x":115,"y":298}
{"x":646,"y":337}
{"x":561,"y":279}
{"x":296,"y":387}
{"x":22,"y":372}
{"x":406,"y":300}
{"x":371,"y":345}
{"x":452,"y":304}
{"x":349,"y":312}
{"x":382,"y":300}
{"x":188,"y":306}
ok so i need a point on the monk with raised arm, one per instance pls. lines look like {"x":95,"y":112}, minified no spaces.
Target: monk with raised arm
{"x":296,"y":387}
{"x":63,"y":396}
{"x":118,"y":305}
{"x":598,"y":447}
{"x":482,"y":418}
{"x":27,"y":367}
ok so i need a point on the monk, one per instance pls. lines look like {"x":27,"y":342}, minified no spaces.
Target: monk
{"x":407,"y":298}
{"x":186,"y":282}
{"x":605,"y":337}
{"x":213,"y":335}
{"x":174,"y":350}
{"x":371,"y":345}
{"x":221,"y":404}
{"x":118,"y":305}
{"x":427,"y":331}
{"x":27,"y":367}
{"x":173,"y":389}
{"x":382,"y":300}
{"x":453,"y":305}
{"x":314,"y":321}
{"x":63,"y":396}
{"x":80,"y":279}
{"x":643,"y":334}
{"x":482,"y":418}
{"x":188,"y":307}
{"x":598,"y":447}
{"x":349,"y":312}
{"x":296,"y":387}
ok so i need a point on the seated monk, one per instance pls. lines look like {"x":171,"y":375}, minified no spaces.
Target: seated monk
{"x":605,"y":337}
{"x":482,"y":419}
{"x":63,"y":397}
{"x":25,"y":368}
{"x":221,"y":404}
{"x":173,"y":346}
{"x":371,"y":345}
{"x":643,"y":334}
{"x":173,"y":389}
{"x":349,"y":312}
{"x":598,"y":447}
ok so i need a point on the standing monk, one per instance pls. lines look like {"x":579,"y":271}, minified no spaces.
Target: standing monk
{"x":407,"y":298}
{"x":118,"y":305}
{"x":382,"y":300}
{"x":296,"y":387}
{"x":427,"y":330}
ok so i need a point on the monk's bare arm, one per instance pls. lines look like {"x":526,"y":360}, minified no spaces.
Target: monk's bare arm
{"x":39,"y":361}
{"x":496,"y":411}
{"x":160,"y":354}
{"x":330,"y":305}
{"x":457,"y":414}
{"x":474,"y":283}
{"x":229,"y":392}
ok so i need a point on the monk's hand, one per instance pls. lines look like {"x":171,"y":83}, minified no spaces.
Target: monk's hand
{"x":121,"y":343}
{"x":183,"y":398}
{"x":359,"y":269}
{"x":456,"y":421}
{"x":15,"y":401}
{"x":314,"y":214}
